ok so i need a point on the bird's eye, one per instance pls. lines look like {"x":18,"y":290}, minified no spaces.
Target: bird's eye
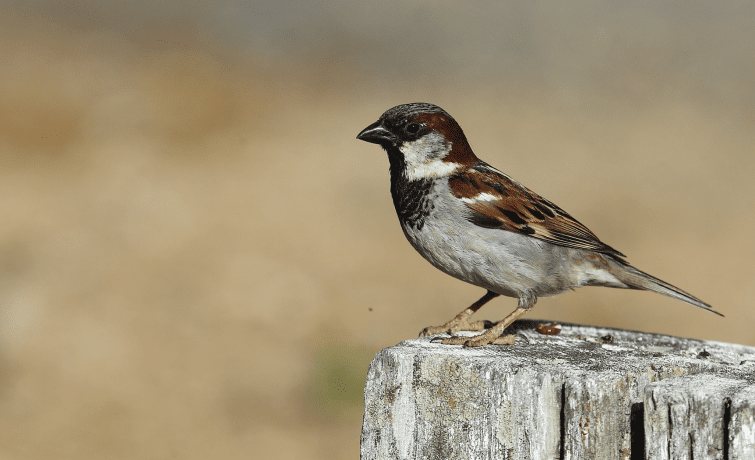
{"x":412,"y":128}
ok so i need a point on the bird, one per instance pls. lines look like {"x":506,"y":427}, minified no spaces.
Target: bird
{"x":477,"y":224}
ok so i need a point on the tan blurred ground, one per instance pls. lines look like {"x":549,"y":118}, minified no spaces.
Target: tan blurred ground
{"x":198,"y":259}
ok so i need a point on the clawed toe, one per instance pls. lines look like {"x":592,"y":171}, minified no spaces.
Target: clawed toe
{"x":455,"y":326}
{"x":476,"y":341}
{"x":432,"y":330}
{"x":474,"y":327}
{"x":508,"y":339}
{"x":455,"y":340}
{"x":481,"y":341}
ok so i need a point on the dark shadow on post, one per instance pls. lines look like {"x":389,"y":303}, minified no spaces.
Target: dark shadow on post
{"x":637,"y":432}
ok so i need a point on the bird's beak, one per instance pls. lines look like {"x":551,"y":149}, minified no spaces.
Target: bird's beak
{"x":377,"y":134}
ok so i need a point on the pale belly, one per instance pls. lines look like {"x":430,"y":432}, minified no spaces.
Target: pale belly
{"x":504,"y":262}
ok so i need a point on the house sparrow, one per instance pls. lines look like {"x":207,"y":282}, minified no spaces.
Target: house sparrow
{"x":477,"y":224}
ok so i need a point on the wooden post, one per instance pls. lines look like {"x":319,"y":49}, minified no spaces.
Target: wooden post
{"x":585,"y":393}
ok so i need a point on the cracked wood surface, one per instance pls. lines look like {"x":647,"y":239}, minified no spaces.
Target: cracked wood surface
{"x":586,"y":393}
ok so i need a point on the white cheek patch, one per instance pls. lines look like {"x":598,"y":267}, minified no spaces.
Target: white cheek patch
{"x":435,"y":168}
{"x":424,"y":157}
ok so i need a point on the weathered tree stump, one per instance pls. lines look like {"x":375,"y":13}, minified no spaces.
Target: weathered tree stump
{"x":586,"y":393}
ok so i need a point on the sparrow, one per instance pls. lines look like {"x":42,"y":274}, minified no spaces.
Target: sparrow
{"x":477,"y":224}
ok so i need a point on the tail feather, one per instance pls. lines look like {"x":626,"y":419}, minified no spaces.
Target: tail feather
{"x":637,"y":279}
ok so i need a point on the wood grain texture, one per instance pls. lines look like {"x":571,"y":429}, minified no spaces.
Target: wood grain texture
{"x":585,"y":393}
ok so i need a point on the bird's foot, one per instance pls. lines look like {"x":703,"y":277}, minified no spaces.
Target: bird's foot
{"x":493,"y":335}
{"x":456,"y":325}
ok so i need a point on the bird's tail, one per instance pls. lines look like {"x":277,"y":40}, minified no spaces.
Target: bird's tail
{"x":637,"y":279}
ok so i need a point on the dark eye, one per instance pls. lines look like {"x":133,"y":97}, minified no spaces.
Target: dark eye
{"x":412,"y":128}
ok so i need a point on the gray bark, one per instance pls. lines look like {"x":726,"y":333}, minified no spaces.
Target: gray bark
{"x":571,"y":396}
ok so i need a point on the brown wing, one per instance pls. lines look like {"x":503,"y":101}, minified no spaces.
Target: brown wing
{"x":497,"y":201}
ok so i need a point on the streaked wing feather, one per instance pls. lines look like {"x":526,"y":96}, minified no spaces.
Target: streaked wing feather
{"x":497,"y":201}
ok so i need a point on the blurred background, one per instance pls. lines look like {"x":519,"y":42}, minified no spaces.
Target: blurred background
{"x":198,"y":259}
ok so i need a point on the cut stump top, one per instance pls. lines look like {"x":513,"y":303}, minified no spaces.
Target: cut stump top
{"x":586,"y":392}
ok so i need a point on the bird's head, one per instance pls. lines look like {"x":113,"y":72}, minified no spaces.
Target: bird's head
{"x":422,"y":140}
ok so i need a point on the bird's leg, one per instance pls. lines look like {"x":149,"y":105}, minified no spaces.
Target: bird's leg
{"x":461,"y":321}
{"x":493,"y":335}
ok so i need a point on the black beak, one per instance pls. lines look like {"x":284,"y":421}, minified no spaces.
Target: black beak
{"x":377,"y":134}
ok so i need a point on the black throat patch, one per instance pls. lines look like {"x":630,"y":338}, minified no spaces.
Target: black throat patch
{"x":410,"y":198}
